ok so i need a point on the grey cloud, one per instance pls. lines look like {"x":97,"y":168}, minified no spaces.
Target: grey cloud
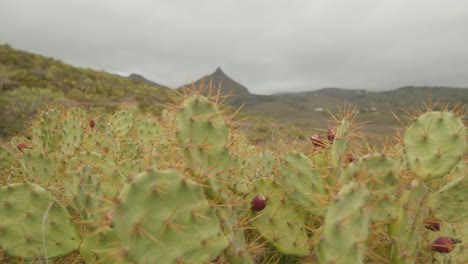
{"x":269,"y":46}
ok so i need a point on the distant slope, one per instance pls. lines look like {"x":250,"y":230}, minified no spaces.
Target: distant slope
{"x":20,"y":68}
{"x":309,"y":109}
{"x":140,"y":78}
{"x":29,"y":81}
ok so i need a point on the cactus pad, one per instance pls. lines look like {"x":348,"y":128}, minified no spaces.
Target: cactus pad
{"x":450,"y":203}
{"x":405,"y":232}
{"x":434,"y":143}
{"x":346,"y":226}
{"x":164,"y":217}
{"x":304,"y":184}
{"x":33,"y":224}
{"x":120,"y":123}
{"x":279,"y":222}
{"x":102,"y":246}
{"x":380,"y":174}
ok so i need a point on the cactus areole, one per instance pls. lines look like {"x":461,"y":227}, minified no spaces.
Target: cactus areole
{"x":258,"y":203}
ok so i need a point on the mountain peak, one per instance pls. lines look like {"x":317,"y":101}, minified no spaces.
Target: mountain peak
{"x":218,"y":71}
{"x":227,"y":86}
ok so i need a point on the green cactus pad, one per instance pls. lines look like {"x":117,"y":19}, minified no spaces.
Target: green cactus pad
{"x":72,"y":135}
{"x":320,"y":159}
{"x":6,"y":158}
{"x":279,"y":222}
{"x":259,"y":165}
{"x":236,"y":252}
{"x":33,"y":224}
{"x":47,"y":136}
{"x":450,"y":203}
{"x":199,"y":122}
{"x":238,"y":182}
{"x":303,"y":183}
{"x":202,"y":133}
{"x":105,"y":171}
{"x":121,"y":123}
{"x":164,"y":217}
{"x":404,"y":233}
{"x":340,"y":143}
{"x":434,"y":143}
{"x":102,"y":246}
{"x":149,"y":131}
{"x":88,"y":197}
{"x":380,"y":174}
{"x":129,"y":149}
{"x":346,"y":226}
{"x":40,"y":168}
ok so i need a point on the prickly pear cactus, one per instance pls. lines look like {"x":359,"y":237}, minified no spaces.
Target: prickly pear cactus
{"x":202,"y":133}
{"x":450,"y":203}
{"x":434,"y":143}
{"x":33,"y":224}
{"x":41,"y":168}
{"x":47,"y":135}
{"x":340,"y":142}
{"x":279,"y":222}
{"x":346,"y":226}
{"x":163,"y":217}
{"x":120,"y":123}
{"x":72,"y":135}
{"x":102,"y":246}
{"x":6,"y":159}
{"x":405,"y":232}
{"x":380,"y":173}
{"x":302,"y":183}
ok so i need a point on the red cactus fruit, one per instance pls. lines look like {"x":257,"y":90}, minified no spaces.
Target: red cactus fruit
{"x":91,"y":124}
{"x":331,"y":132}
{"x":432,"y":224}
{"x":350,"y":157}
{"x":21,"y":146}
{"x":258,"y":203}
{"x":443,"y":244}
{"x":317,"y":141}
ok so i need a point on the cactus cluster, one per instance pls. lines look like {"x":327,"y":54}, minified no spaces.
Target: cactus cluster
{"x":184,"y":188}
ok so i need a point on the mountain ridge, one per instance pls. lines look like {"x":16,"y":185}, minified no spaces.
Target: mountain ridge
{"x":307,"y":110}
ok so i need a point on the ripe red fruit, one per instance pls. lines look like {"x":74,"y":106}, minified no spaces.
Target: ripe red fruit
{"x":444,"y":244}
{"x":258,"y":203}
{"x":317,"y":141}
{"x":331,"y":132}
{"x":91,"y":124}
{"x":21,"y":146}
{"x":350,"y":157}
{"x":432,"y":224}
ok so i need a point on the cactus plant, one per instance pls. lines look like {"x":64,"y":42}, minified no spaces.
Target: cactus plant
{"x":33,"y":224}
{"x":279,"y":222}
{"x":302,"y":183}
{"x":152,"y":230}
{"x":434,"y":143}
{"x":346,"y":226}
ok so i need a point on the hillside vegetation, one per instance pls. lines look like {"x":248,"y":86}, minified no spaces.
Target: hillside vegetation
{"x":29,"y":82}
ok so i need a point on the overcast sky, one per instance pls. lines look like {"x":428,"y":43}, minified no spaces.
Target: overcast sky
{"x":269,"y":46}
